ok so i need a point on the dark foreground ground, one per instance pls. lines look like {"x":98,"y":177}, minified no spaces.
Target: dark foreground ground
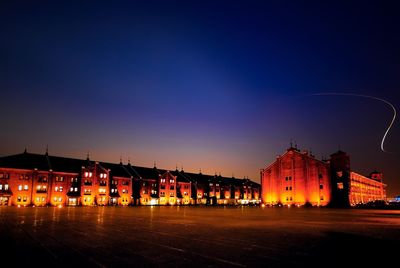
{"x":198,"y":237}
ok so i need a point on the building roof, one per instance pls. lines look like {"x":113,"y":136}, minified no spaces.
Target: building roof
{"x":25,"y":161}
{"x":305,"y":153}
{"x":117,"y":170}
{"x":181,"y":176}
{"x":45,"y":162}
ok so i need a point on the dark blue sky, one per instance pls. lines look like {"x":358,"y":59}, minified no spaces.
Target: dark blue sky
{"x":217,"y":85}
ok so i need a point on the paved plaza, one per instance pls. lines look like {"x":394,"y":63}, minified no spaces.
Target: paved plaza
{"x":198,"y":237}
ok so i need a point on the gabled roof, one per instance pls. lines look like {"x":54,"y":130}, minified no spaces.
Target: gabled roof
{"x":64,"y":164}
{"x":180,"y":176}
{"x":146,"y":173}
{"x":132,"y":171}
{"x":45,"y":162}
{"x":298,"y":152}
{"x":25,"y":161}
{"x":117,"y":170}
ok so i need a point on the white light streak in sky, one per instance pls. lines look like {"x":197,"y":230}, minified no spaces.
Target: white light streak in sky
{"x":369,"y":97}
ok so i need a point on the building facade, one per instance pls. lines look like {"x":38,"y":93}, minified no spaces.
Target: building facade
{"x":366,"y":189}
{"x":41,"y":180}
{"x":298,"y":178}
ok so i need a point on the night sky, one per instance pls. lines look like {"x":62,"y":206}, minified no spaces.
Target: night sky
{"x":221,"y":85}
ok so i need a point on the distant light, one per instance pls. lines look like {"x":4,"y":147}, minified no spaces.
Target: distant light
{"x":263,"y":205}
{"x":19,"y":206}
{"x":60,"y":206}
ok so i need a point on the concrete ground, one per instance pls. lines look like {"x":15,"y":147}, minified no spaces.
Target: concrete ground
{"x":198,"y":237}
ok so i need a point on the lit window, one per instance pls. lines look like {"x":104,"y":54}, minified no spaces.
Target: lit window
{"x":37,"y":199}
{"x":101,"y":175}
{"x":59,"y":199}
{"x":26,"y":187}
{"x":76,"y":189}
{"x":172,"y":181}
{"x":72,"y":189}
{"x":1,"y":187}
{"x":105,"y":176}
{"x":124,"y":191}
{"x":19,"y":187}
{"x":86,"y":174}
{"x":24,"y":199}
{"x":19,"y":199}
{"x":55,"y":199}
{"x":90,"y":174}
{"x":340,"y":185}
{"x":88,"y":191}
{"x":5,"y":187}
{"x":56,"y":189}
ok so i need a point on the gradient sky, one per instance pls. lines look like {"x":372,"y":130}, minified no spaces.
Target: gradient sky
{"x":218,"y":85}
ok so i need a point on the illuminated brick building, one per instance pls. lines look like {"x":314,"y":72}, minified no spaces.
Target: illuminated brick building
{"x":298,"y":178}
{"x":40,"y":180}
{"x":365,"y":189}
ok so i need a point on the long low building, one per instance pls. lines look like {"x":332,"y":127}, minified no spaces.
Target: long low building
{"x":298,"y":178}
{"x":41,"y":180}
